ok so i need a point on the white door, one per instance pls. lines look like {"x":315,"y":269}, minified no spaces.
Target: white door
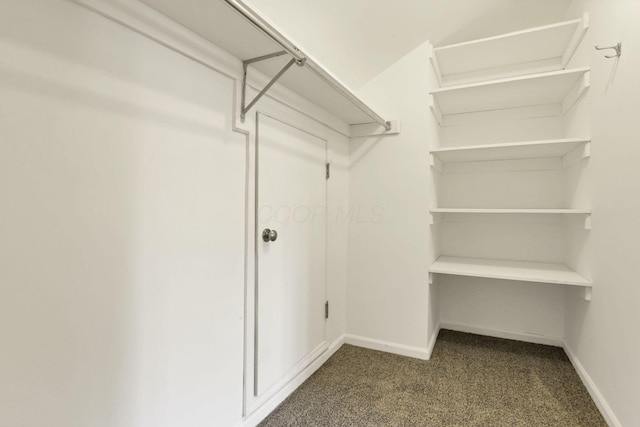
{"x":291,"y":270}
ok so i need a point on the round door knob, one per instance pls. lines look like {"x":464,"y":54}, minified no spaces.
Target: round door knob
{"x":269,"y":235}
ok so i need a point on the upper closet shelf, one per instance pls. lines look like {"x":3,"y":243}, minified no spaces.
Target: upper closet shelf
{"x":558,"y":90}
{"x":240,"y":30}
{"x":550,"y":47}
{"x":551,"y":148}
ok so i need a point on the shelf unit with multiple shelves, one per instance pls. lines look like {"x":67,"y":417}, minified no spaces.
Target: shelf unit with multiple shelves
{"x":507,"y":78}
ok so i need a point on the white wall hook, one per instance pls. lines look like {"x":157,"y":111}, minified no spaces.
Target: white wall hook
{"x":617,"y":48}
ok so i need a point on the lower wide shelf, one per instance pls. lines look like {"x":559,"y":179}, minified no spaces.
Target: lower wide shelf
{"x":509,"y":270}
{"x":511,"y":211}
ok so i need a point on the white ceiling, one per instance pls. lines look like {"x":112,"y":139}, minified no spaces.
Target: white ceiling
{"x":358,"y":39}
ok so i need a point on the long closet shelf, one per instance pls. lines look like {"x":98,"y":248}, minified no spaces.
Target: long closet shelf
{"x":554,"y":44}
{"x":509,"y":270}
{"x":240,"y":30}
{"x":560,"y":88}
{"x":510,"y":151}
{"x":512,"y":211}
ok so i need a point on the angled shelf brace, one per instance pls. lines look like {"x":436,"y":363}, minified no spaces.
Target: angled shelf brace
{"x":301,"y":59}
{"x":245,"y":65}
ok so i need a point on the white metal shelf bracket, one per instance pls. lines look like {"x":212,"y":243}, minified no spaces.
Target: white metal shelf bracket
{"x":587,"y":293}
{"x":244,"y":108}
{"x":435,"y":218}
{"x":436,"y":163}
{"x":436,"y":66}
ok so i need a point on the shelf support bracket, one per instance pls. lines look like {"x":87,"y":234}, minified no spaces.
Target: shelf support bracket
{"x":576,"y":93}
{"x":435,"y":218}
{"x":435,"y":109}
{"x":436,"y":163}
{"x":587,"y":294}
{"x":244,"y":108}
{"x":436,"y":66}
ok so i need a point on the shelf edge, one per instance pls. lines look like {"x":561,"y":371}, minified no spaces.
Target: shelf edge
{"x":511,"y":34}
{"x":541,"y":142}
{"x":579,"y":70}
{"x":582,"y":283}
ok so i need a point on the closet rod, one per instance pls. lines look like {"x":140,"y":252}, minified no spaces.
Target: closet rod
{"x":258,"y":22}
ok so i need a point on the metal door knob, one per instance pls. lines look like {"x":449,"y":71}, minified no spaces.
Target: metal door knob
{"x":269,"y":235}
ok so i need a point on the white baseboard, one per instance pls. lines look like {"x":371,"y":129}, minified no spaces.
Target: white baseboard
{"x":498,"y":333}
{"x":261,"y":413}
{"x":389,"y":347}
{"x":432,"y":341}
{"x":597,"y":397}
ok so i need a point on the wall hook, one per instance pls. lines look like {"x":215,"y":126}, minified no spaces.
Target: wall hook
{"x":617,"y":48}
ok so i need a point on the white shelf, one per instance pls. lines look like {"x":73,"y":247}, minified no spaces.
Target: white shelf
{"x":509,"y":270}
{"x":512,"y":211}
{"x":562,"y":88}
{"x":222,"y":25}
{"x":554,"y":44}
{"x":510,"y":151}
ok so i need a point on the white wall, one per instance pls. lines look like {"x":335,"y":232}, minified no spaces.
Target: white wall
{"x":122,"y":272}
{"x":388,"y":291}
{"x":122,"y":255}
{"x":602,"y":334}
{"x":122,"y":222}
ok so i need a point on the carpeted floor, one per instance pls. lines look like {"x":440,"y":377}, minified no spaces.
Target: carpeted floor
{"x":470,"y":380}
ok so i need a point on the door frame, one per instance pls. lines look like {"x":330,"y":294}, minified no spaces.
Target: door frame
{"x":251,"y":402}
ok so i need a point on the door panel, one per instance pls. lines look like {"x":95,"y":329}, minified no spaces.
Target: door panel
{"x":291,"y":271}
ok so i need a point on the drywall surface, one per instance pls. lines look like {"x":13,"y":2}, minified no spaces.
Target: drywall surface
{"x":603,"y":333}
{"x":122,"y":227}
{"x":387,"y":295}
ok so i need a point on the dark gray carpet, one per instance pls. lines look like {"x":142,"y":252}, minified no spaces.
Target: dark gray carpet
{"x":470,"y":380}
